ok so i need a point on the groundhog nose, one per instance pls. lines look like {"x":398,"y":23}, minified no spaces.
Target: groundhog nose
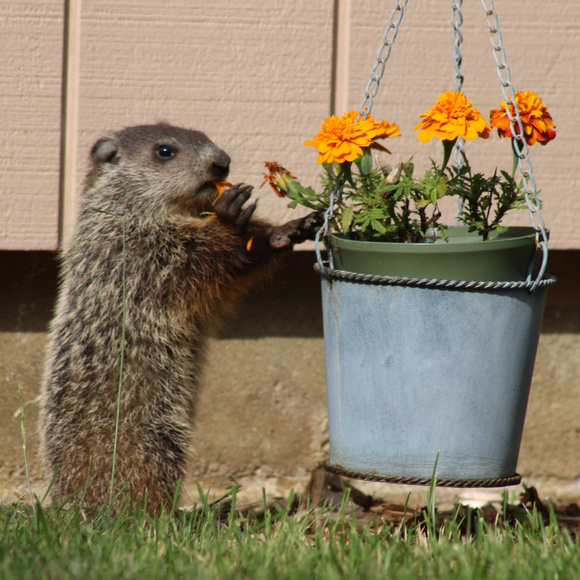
{"x":221,"y":167}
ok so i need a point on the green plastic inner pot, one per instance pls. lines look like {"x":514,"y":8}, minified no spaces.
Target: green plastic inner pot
{"x":505,"y":256}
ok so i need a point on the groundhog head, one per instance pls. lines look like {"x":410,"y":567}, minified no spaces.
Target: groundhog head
{"x":156,"y":165}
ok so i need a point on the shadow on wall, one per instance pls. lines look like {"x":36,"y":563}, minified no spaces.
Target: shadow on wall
{"x":27,"y":290}
{"x":287,"y":306}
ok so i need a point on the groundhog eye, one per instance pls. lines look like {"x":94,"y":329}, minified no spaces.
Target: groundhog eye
{"x":166,"y":151}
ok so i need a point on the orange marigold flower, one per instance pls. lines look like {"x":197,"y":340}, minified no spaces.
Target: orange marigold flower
{"x":536,"y":120}
{"x":278,"y":177}
{"x":452,"y":116}
{"x":342,"y":138}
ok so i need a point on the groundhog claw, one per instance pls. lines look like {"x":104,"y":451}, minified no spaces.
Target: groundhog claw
{"x":229,"y":206}
{"x":245,"y":215}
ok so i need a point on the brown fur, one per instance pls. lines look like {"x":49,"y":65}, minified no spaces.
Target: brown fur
{"x":184,"y":270}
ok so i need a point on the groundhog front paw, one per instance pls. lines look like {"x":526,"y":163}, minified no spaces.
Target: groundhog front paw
{"x":229,"y":207}
{"x":296,"y":231}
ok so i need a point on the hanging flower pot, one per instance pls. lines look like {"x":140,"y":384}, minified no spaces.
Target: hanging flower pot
{"x":430,"y":330}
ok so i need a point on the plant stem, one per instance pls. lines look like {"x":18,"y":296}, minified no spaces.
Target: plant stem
{"x":122,"y":356}
{"x":23,"y":434}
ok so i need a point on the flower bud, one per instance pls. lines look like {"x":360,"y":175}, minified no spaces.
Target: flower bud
{"x":278,"y":177}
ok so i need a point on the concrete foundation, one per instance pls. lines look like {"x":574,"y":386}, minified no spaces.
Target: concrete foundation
{"x":262,"y":415}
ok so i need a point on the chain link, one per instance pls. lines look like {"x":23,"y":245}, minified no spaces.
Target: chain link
{"x":321,"y":233}
{"x":383,"y":54}
{"x":456,"y":22}
{"x":519,"y":143}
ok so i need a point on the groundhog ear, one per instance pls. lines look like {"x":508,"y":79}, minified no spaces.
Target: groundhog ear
{"x":105,"y":150}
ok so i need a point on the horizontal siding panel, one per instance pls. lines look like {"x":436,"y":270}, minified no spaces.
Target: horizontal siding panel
{"x":30,"y":123}
{"x":257,"y":77}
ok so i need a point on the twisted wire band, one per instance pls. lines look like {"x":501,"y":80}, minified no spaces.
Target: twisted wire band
{"x":431,"y":282}
{"x":439,"y":482}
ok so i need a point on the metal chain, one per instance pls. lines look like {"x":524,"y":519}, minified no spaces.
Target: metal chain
{"x":371,"y":91}
{"x":519,"y":143}
{"x":456,"y":22}
{"x":321,"y":233}
{"x":372,"y":87}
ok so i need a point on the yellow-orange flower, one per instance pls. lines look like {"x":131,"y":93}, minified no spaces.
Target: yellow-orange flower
{"x":343,"y":138}
{"x":536,"y":120}
{"x":452,"y":116}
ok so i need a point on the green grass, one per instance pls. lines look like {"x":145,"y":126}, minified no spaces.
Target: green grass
{"x":280,"y":542}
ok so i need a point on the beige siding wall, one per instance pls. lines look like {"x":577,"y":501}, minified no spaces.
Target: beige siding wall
{"x":258,"y":77}
{"x":31,"y":42}
{"x":255,"y":75}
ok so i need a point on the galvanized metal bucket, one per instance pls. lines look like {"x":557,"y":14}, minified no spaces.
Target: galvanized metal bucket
{"x":427,"y":372}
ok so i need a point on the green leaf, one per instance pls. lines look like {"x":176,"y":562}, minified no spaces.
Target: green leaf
{"x":347,"y":217}
{"x":378,"y":226}
{"x":295,"y":188}
{"x":441,"y":187}
{"x":365,"y":163}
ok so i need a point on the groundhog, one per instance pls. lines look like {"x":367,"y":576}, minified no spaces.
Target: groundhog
{"x":150,"y":214}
